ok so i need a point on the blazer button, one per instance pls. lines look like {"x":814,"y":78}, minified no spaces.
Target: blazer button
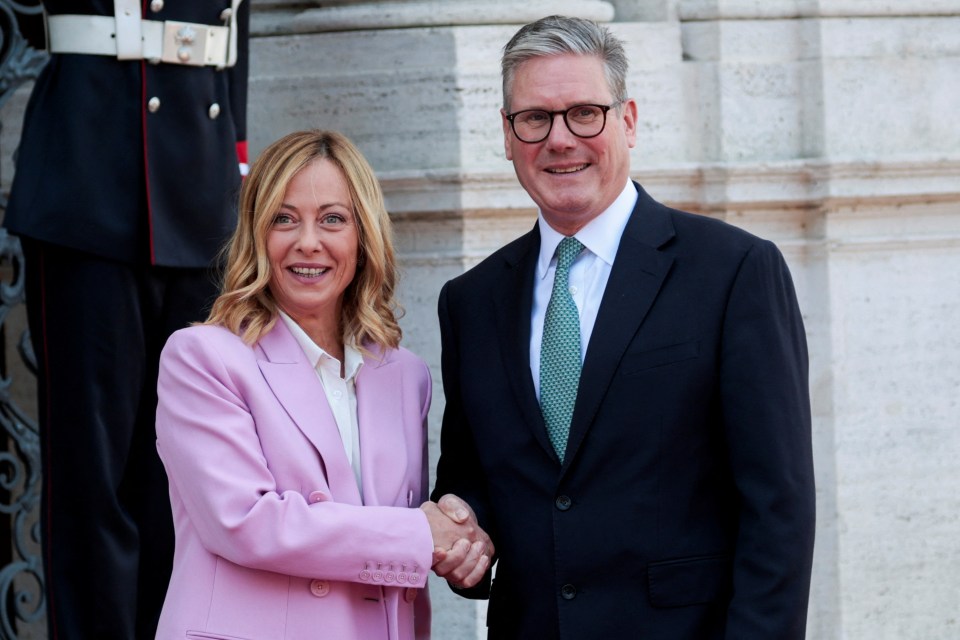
{"x":414,"y":578}
{"x":153,"y":104}
{"x":319,"y":588}
{"x":410,"y":594}
{"x":365,"y":575}
{"x":568,"y":591}
{"x":213,"y":111}
{"x":563,"y":502}
{"x":156,"y":6}
{"x":318,"y":496}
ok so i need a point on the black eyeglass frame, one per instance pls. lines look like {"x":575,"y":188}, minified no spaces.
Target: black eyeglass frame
{"x":553,"y":116}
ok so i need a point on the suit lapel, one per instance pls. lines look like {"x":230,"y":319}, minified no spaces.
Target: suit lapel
{"x":295,"y":384}
{"x":513,"y":304}
{"x":635,"y":280}
{"x":382,"y":439}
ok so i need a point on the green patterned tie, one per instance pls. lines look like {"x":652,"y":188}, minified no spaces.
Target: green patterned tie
{"x":560,"y":351}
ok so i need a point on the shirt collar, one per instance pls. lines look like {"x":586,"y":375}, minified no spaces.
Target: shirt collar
{"x":601,"y":236}
{"x":317,"y":357}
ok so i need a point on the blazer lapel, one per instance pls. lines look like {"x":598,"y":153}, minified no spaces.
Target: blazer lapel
{"x":382,"y":438}
{"x":295,"y":384}
{"x":513,"y":305}
{"x":635,"y":280}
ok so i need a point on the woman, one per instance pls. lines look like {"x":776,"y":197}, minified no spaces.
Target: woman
{"x":292,"y":425}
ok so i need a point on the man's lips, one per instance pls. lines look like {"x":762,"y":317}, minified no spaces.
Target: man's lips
{"x":564,"y":170}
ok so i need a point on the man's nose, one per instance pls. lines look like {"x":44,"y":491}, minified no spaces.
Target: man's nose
{"x":560,"y":134}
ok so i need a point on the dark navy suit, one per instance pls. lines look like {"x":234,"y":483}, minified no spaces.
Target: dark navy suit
{"x":684,"y":507}
{"x":121,"y":211}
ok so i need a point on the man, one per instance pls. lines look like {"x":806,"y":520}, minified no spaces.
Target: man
{"x":124,"y":192}
{"x":630,"y":420}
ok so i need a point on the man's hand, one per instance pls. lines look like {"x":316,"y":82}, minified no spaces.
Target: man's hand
{"x":461,"y":549}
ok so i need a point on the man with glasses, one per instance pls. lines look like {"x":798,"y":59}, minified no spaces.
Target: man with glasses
{"x":627,"y":408}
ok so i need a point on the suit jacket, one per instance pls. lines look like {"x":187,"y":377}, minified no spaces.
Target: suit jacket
{"x":98,"y":172}
{"x":684,"y":507}
{"x":272,"y":539}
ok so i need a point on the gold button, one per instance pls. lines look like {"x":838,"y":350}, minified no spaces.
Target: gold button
{"x":153,"y":105}
{"x":213,"y":111}
{"x":156,"y":5}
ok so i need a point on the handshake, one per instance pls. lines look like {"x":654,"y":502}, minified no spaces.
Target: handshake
{"x":462,"y":551}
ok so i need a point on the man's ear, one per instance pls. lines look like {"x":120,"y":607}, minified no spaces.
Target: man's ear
{"x":630,"y":121}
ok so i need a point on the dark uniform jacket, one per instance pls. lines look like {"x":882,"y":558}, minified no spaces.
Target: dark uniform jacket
{"x":684,"y":507}
{"x":99,"y":172}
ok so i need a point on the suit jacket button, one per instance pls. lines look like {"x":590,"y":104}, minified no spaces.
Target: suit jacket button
{"x":568,"y":591}
{"x":319,"y":588}
{"x":410,"y":594}
{"x":563,"y":502}
{"x":213,"y":111}
{"x":414,"y":578}
{"x":317,"y":496}
{"x":389,"y":577}
{"x":153,"y":104}
{"x":365,"y":575}
{"x":156,"y":6}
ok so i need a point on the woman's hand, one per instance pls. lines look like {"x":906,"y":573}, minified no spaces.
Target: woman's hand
{"x":462,"y":551}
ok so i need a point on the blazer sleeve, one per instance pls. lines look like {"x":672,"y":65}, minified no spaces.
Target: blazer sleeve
{"x":208,"y":440}
{"x":766,"y":413}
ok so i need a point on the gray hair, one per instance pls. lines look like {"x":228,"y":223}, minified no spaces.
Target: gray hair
{"x":557,"y":35}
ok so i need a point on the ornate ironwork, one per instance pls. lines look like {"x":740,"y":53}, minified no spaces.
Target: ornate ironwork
{"x":21,"y":579}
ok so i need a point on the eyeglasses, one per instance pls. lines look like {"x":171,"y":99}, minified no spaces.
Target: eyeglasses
{"x":583,"y":121}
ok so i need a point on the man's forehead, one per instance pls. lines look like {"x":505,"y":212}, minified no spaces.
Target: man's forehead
{"x":563,"y":80}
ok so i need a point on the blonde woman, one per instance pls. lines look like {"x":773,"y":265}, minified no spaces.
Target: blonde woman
{"x":292,"y":425}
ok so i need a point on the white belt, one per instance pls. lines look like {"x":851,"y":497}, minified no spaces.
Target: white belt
{"x":172,"y":42}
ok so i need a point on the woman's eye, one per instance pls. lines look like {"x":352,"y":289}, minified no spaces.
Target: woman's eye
{"x":282,"y":218}
{"x":332,"y":220}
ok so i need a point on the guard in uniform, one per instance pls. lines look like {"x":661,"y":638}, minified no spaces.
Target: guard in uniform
{"x":130,"y":161}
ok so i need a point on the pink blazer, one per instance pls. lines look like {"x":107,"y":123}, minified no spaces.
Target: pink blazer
{"x":272,"y":539}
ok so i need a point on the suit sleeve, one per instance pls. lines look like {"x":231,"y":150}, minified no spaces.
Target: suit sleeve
{"x":459,"y":471}
{"x":209,"y":443}
{"x":766,"y":412}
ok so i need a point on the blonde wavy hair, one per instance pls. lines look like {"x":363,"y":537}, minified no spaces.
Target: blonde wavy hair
{"x":246,"y":305}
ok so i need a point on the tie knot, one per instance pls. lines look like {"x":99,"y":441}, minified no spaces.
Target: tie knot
{"x":567,"y":252}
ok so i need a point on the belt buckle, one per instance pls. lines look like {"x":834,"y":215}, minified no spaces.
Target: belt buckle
{"x":185,"y":43}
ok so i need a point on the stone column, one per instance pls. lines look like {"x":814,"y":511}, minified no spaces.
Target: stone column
{"x":823,"y":126}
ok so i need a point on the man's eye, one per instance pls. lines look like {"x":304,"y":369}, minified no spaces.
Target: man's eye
{"x":584,"y":113}
{"x":535,"y":118}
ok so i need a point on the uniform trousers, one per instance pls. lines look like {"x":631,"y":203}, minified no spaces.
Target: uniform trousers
{"x":97,"y":328}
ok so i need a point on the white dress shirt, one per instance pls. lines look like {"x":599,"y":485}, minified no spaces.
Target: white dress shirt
{"x":588,"y":274}
{"x":341,"y":392}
